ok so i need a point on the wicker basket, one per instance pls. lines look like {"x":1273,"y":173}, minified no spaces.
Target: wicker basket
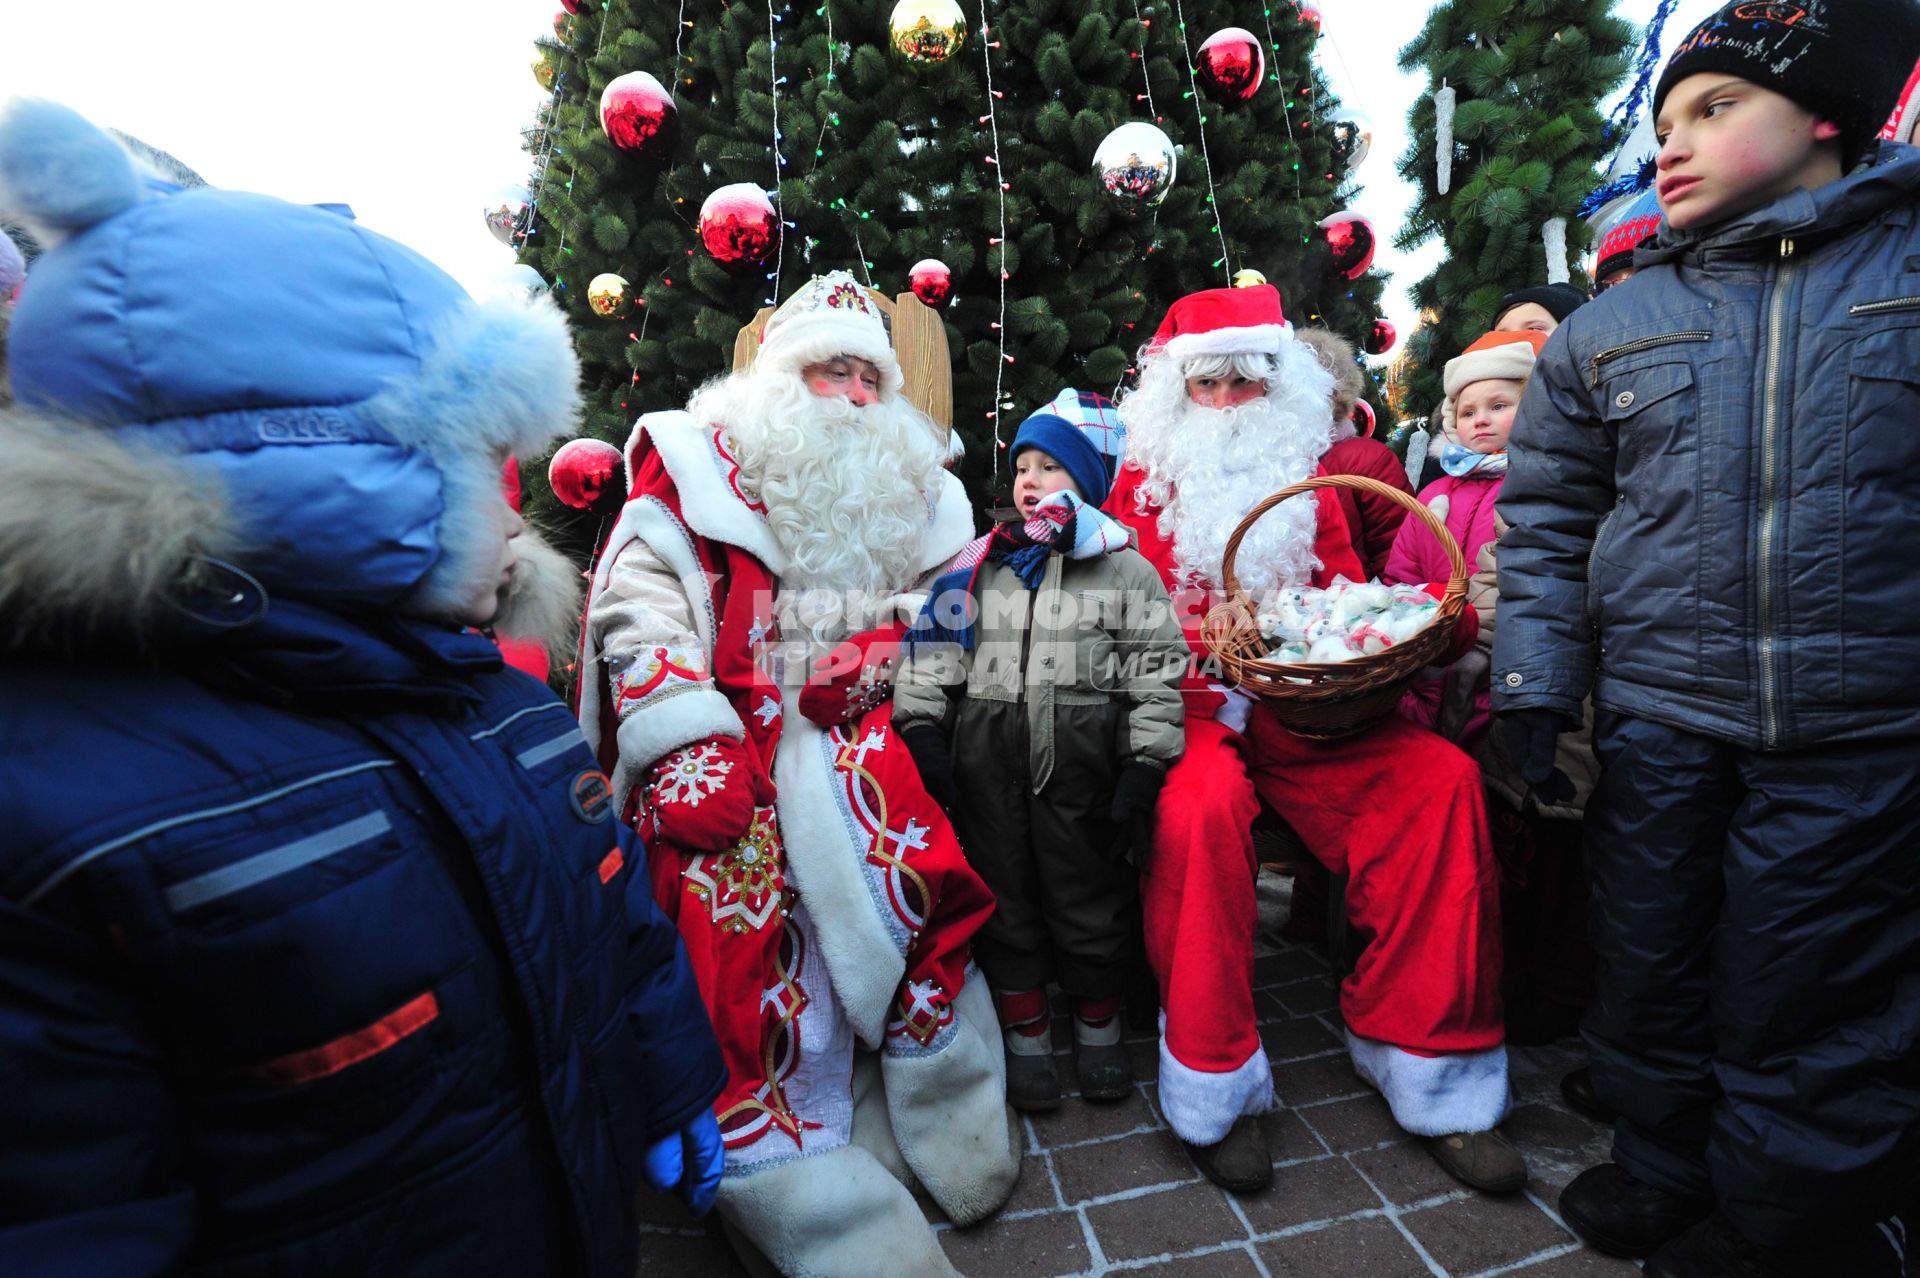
{"x":1329,"y":700}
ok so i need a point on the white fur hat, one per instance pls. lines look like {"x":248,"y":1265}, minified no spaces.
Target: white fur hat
{"x":830,"y":315}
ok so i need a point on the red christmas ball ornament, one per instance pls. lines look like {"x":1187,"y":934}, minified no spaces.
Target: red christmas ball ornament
{"x":587,"y":474}
{"x":1364,"y":421}
{"x":931,"y":281}
{"x":560,"y":25}
{"x":1309,"y":14}
{"x":638,"y":115}
{"x":571,"y":6}
{"x":1231,"y":65}
{"x":1350,"y":238}
{"x":1381,"y":337}
{"x":738,"y":225}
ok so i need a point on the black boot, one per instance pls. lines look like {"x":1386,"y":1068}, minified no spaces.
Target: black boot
{"x":1576,"y":1089}
{"x":1715,"y":1249}
{"x":1623,"y":1216}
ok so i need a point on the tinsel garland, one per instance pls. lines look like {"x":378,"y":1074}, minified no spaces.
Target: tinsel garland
{"x":1619,"y":126}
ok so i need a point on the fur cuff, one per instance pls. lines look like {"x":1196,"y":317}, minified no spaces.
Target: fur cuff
{"x":696,"y":713}
{"x":1435,"y":1095}
{"x":1201,"y":1105}
{"x":950,"y":1115}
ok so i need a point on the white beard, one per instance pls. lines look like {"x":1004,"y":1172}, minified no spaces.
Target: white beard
{"x":1206,"y":468}
{"x":849,"y":493}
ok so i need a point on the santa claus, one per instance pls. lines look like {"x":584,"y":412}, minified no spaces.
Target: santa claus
{"x":1230,"y":409}
{"x":733,"y":673}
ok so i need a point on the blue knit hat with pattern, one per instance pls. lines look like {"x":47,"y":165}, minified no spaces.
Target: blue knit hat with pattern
{"x":1080,"y":430}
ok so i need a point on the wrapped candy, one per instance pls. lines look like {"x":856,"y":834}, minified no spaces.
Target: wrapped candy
{"x":1348,"y":619}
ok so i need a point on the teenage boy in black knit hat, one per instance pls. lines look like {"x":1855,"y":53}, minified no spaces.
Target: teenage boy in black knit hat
{"x":1714,"y":486}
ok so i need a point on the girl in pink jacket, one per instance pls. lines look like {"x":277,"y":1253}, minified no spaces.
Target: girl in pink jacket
{"x":1483,"y":387}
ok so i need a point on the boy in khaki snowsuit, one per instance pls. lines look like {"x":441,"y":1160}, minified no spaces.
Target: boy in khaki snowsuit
{"x":1058,"y":641}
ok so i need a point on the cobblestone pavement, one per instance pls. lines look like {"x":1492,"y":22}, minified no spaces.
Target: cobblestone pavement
{"x":1106,"y":1189}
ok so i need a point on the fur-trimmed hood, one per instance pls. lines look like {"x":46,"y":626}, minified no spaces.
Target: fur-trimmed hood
{"x":242,"y":380}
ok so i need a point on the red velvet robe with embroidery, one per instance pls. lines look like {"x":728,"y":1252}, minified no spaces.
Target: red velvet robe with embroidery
{"x":851,"y":859}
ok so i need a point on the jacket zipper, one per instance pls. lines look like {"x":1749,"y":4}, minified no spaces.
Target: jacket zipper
{"x":1643,"y":344}
{"x":1769,"y":507}
{"x":1890,"y":304}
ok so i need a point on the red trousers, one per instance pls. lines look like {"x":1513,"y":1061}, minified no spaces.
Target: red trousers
{"x":1396,"y":809}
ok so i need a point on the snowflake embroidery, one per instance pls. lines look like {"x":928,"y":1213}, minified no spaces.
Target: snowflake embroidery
{"x":924,"y":1009}
{"x":691,"y":775}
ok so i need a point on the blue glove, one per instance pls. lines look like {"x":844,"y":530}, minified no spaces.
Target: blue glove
{"x":689,"y":1162}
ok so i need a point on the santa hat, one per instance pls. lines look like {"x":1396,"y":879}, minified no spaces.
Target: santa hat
{"x":1638,"y":223}
{"x":1222,"y":321}
{"x":1507,"y":356}
{"x":1081,"y":431}
{"x":830,"y":316}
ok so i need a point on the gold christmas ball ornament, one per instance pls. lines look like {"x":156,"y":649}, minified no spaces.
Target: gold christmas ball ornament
{"x":609,"y":295}
{"x":927,"y":33}
{"x":1248,"y":278}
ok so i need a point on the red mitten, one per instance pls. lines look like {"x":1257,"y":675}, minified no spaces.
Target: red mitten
{"x":702,"y":796}
{"x":853,"y":678}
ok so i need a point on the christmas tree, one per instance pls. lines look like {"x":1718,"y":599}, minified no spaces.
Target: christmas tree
{"x":919,"y":131}
{"x":1517,"y":88}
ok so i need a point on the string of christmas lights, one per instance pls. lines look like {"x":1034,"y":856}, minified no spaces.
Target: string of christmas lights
{"x":1200,"y":115}
{"x":775,"y":80}
{"x":1286,"y":114}
{"x":1000,"y":179}
{"x":1141,"y":58}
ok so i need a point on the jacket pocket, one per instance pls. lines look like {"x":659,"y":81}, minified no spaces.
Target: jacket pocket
{"x":1643,"y":571}
{"x":1876,"y":643}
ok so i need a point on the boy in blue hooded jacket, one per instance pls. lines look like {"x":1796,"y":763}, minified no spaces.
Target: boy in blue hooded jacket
{"x":320,"y":949}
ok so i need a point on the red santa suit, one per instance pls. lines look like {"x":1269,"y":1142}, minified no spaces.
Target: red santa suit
{"x":830,"y":943}
{"x":1397,"y":810}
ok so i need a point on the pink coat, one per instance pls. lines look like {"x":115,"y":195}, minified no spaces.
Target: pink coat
{"x":1417,"y":557}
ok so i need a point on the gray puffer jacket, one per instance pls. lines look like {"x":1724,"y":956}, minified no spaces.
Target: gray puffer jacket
{"x":1715,"y":480}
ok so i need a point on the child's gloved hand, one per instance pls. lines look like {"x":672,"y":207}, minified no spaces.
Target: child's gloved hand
{"x":1135,"y":797}
{"x":934,"y":757}
{"x":702,"y":796}
{"x":688,"y":1163}
{"x":1530,"y":737}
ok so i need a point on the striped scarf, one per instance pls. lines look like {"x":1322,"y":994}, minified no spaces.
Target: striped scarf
{"x":1060,"y":524}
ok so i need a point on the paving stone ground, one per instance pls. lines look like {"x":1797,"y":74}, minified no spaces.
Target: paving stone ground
{"x":1106,"y":1189}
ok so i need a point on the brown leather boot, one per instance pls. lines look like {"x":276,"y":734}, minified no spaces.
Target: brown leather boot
{"x":1239,"y":1161}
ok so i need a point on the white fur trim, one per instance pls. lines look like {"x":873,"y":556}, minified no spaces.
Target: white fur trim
{"x":694,"y":714}
{"x":1256,"y":339}
{"x":821,"y":335}
{"x":862,"y":958}
{"x":952,"y":526}
{"x":1435,"y":1095}
{"x":831,"y":1215}
{"x":59,"y":173}
{"x":1439,"y":505}
{"x":709,"y":506}
{"x":950,"y":1115}
{"x":1201,"y":1105}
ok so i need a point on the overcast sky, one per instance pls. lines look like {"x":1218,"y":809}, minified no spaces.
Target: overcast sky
{"x":411,"y":112}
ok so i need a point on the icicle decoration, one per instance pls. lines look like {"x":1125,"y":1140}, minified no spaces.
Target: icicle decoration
{"x":1554,"y":236}
{"x":1443,"y":103}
